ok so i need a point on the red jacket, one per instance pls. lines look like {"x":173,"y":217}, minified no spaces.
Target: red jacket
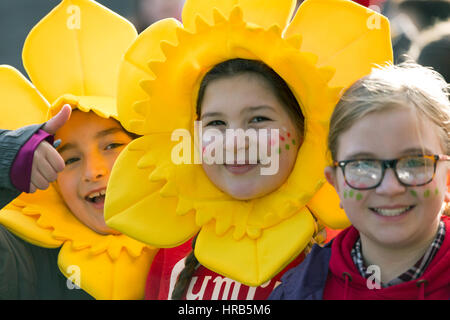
{"x":205,"y":284}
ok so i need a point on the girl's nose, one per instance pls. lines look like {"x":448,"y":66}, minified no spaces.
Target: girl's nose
{"x":95,"y":170}
{"x":390,"y":184}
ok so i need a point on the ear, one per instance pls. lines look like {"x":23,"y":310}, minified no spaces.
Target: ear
{"x":330,"y":175}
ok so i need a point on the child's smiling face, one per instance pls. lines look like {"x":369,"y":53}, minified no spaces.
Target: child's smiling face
{"x":90,"y":146}
{"x":392,"y":214}
{"x":245,"y":102}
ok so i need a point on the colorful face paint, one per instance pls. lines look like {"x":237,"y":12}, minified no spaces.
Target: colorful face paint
{"x":283,"y":139}
{"x":428,"y":193}
{"x":351,"y":193}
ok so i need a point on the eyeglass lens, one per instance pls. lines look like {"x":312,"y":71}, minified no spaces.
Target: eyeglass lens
{"x":410,"y":171}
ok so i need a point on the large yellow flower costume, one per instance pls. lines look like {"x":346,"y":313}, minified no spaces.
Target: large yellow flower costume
{"x":72,"y":56}
{"x":327,"y":45}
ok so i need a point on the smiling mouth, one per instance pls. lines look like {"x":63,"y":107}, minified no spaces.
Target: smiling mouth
{"x":97,"y":197}
{"x":392,"y":212}
{"x":240,"y":168}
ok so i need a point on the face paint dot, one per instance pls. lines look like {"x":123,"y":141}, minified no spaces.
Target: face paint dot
{"x":289,"y":135}
{"x":293,"y":142}
{"x":282,"y":138}
{"x":279,"y":150}
{"x":427,"y":193}
{"x":413,"y":193}
{"x":436,"y":192}
{"x":287,"y":147}
{"x":351,"y":193}
{"x":359,"y":196}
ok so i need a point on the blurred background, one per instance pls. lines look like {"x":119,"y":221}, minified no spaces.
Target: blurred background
{"x":420,"y":29}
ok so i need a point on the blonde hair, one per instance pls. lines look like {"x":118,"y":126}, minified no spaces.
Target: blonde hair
{"x":388,"y":88}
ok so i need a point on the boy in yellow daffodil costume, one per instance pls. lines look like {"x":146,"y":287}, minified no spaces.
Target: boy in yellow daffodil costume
{"x":320,"y":51}
{"x":72,"y":57}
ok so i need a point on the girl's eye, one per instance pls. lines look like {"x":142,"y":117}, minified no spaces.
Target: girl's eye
{"x":71,"y":160}
{"x":259,"y":119}
{"x":113,"y":146}
{"x":216,"y":123}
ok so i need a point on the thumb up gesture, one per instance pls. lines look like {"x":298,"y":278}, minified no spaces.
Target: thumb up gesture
{"x":47,"y":162}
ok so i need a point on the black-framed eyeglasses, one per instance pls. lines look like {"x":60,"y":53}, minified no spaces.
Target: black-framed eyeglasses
{"x":411,"y":171}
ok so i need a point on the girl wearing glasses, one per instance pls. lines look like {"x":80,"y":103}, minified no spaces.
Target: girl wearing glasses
{"x":389,"y":141}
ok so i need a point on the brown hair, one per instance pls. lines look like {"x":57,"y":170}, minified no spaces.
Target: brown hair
{"x":280,"y":89}
{"x":190,"y":265}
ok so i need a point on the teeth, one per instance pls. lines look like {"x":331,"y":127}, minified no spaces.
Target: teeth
{"x":96,"y":194}
{"x":391,"y":212}
{"x":93,"y":195}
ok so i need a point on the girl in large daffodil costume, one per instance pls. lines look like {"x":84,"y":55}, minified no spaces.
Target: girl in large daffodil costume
{"x":168,"y":80}
{"x":72,"y":57}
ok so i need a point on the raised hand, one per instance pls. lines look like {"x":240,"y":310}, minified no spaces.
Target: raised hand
{"x":47,"y":162}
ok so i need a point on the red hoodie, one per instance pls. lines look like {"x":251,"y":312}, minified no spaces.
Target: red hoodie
{"x":345,"y":282}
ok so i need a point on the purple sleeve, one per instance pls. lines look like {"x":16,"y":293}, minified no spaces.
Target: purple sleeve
{"x":20,"y":173}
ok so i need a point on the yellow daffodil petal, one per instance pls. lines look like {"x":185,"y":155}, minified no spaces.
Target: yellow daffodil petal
{"x":104,"y":107}
{"x":123,"y":278}
{"x":325,"y":206}
{"x":134,"y":68}
{"x":251,"y":261}
{"x":17,"y":92}
{"x":145,"y":206}
{"x":356,"y":32}
{"x":24,"y":227}
{"x":71,"y":40}
{"x":264,"y":13}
